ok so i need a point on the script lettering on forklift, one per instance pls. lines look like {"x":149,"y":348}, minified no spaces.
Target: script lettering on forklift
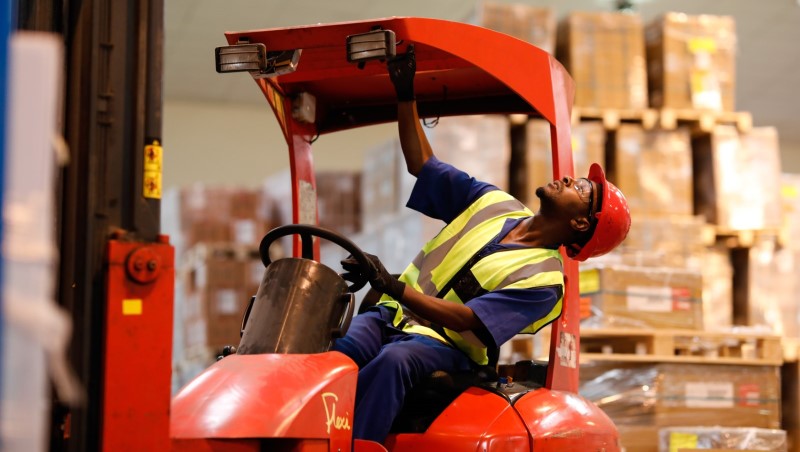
{"x":329,"y":399}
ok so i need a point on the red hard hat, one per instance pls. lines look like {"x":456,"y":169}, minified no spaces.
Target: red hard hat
{"x":612,"y":215}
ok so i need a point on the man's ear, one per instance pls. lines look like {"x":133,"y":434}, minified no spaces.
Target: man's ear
{"x":580,"y":223}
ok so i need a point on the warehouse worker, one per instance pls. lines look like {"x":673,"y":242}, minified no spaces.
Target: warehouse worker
{"x":493,"y":271}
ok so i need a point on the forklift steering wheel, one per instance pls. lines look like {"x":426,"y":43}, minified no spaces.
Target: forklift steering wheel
{"x":306,"y":233}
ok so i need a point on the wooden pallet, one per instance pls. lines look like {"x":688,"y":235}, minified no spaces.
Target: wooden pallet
{"x":666,"y":118}
{"x":613,"y":117}
{"x":704,"y":120}
{"x":635,"y":345}
{"x":746,"y":239}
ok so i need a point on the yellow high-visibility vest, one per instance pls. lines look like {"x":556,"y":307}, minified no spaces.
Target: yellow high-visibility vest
{"x":444,"y":256}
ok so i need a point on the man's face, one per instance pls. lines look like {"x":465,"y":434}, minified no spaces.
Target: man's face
{"x":573,"y":197}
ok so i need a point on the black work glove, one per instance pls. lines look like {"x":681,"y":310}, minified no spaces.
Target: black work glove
{"x":401,"y":71}
{"x":379,"y":278}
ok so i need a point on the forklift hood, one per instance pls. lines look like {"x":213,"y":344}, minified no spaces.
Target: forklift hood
{"x":268,"y":396}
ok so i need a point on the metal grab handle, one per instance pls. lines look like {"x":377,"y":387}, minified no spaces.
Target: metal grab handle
{"x":344,"y":323}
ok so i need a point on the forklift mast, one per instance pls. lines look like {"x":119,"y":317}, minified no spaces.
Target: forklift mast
{"x":115,"y":276}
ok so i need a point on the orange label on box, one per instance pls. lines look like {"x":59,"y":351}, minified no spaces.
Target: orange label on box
{"x":681,"y":299}
{"x":585,"y":304}
{"x":749,"y":394}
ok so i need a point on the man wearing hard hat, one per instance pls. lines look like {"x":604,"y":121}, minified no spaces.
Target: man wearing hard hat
{"x":494,"y":270}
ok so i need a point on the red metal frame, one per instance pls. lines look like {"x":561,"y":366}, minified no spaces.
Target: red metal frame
{"x":137,"y":355}
{"x":461,"y":69}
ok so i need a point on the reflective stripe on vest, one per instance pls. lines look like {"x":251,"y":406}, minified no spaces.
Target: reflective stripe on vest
{"x":467,"y":234}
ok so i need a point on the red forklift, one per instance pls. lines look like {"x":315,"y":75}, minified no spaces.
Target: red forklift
{"x":116,"y":270}
{"x":282,"y":390}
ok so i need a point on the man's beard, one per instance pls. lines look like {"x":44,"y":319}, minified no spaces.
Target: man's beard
{"x":545,"y":199}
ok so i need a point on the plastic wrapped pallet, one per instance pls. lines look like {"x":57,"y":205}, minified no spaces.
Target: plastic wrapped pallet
{"x":726,"y":164}
{"x":654,"y":169}
{"x":700,"y":438}
{"x":692,"y":61}
{"x":623,"y":296}
{"x":588,"y":146}
{"x":643,"y":398}
{"x":478,"y":145}
{"x":605,"y":54}
{"x":535,"y":25}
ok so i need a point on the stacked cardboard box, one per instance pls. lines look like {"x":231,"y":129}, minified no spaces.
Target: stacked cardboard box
{"x":728,"y":165}
{"x":339,"y":201}
{"x":638,"y":297}
{"x":278,"y":188}
{"x":216,"y":232}
{"x":654,"y":169}
{"x":532,"y":24}
{"x":220,"y":281}
{"x":477,"y":145}
{"x":692,"y":61}
{"x":717,"y":289}
{"x":221,"y":215}
{"x":772,"y":274}
{"x":605,"y":54}
{"x":380,"y":183}
{"x":588,"y":146}
{"x":643,"y":398}
{"x":660,"y":241}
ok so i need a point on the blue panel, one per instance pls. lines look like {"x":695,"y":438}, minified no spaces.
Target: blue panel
{"x":6,"y":13}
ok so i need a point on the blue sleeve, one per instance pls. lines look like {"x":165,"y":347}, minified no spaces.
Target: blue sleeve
{"x":442,"y":191}
{"x":506,"y":312}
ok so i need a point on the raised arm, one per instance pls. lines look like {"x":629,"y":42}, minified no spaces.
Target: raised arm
{"x":416,"y":149}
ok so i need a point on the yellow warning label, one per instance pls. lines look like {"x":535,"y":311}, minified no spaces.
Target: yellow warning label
{"x":704,"y":45}
{"x":276,"y":100}
{"x":153,"y":164}
{"x":152,"y":185}
{"x":701,"y":80}
{"x":132,"y":307}
{"x":589,"y":281}
{"x":678,"y":441}
{"x":153,"y":154}
{"x":789,"y":191}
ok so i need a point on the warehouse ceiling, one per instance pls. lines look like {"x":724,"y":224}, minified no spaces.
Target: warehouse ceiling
{"x":768,"y":61}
